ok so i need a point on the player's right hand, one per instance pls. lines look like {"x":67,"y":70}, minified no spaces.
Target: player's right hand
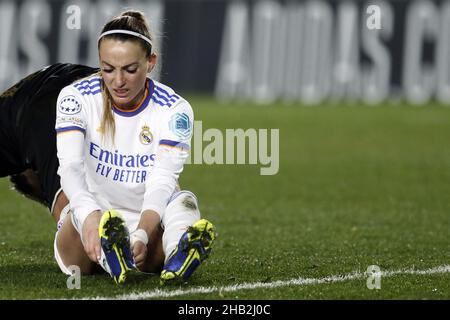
{"x":91,"y":239}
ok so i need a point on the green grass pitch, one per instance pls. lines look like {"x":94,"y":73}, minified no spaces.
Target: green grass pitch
{"x":357,"y":186}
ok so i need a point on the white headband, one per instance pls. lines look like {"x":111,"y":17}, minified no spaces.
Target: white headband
{"x":140,"y":36}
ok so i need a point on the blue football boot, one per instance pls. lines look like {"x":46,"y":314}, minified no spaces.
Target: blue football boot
{"x":115,"y":242}
{"x":193,"y":248}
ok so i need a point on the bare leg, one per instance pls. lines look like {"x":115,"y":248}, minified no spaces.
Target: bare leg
{"x":71,"y":249}
{"x":69,"y":242}
{"x":60,"y":203}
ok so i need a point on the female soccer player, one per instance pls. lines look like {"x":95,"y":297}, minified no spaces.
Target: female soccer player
{"x":28,"y":137}
{"x":122,"y":140}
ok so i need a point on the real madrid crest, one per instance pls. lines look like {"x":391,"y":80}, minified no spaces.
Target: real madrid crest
{"x":145,"y":136}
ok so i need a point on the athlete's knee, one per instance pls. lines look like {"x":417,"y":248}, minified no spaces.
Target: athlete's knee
{"x":184,"y":199}
{"x":60,"y":207}
{"x":69,"y":250}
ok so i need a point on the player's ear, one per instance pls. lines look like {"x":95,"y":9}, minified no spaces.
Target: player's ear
{"x":151,"y":62}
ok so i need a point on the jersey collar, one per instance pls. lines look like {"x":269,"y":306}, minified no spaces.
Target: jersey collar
{"x":149,"y":87}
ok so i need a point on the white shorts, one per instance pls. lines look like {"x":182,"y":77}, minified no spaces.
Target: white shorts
{"x":131,"y":220}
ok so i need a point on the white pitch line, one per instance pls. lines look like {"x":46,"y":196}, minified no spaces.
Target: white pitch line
{"x":165,"y":293}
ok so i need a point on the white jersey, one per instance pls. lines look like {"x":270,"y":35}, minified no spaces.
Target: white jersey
{"x":140,"y":170}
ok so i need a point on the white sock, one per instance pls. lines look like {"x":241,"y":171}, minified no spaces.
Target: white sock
{"x":103,"y":263}
{"x":181,"y":213}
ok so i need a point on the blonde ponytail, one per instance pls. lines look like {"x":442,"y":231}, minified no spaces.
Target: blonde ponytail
{"x":108,"y":125}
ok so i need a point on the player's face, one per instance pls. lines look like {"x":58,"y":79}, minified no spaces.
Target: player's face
{"x":124,"y":69}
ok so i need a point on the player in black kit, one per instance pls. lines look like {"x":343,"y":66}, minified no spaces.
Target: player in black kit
{"x":27,"y":133}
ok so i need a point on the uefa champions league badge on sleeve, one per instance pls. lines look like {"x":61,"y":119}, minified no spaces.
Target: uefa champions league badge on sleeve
{"x":69,"y":105}
{"x":180,"y":125}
